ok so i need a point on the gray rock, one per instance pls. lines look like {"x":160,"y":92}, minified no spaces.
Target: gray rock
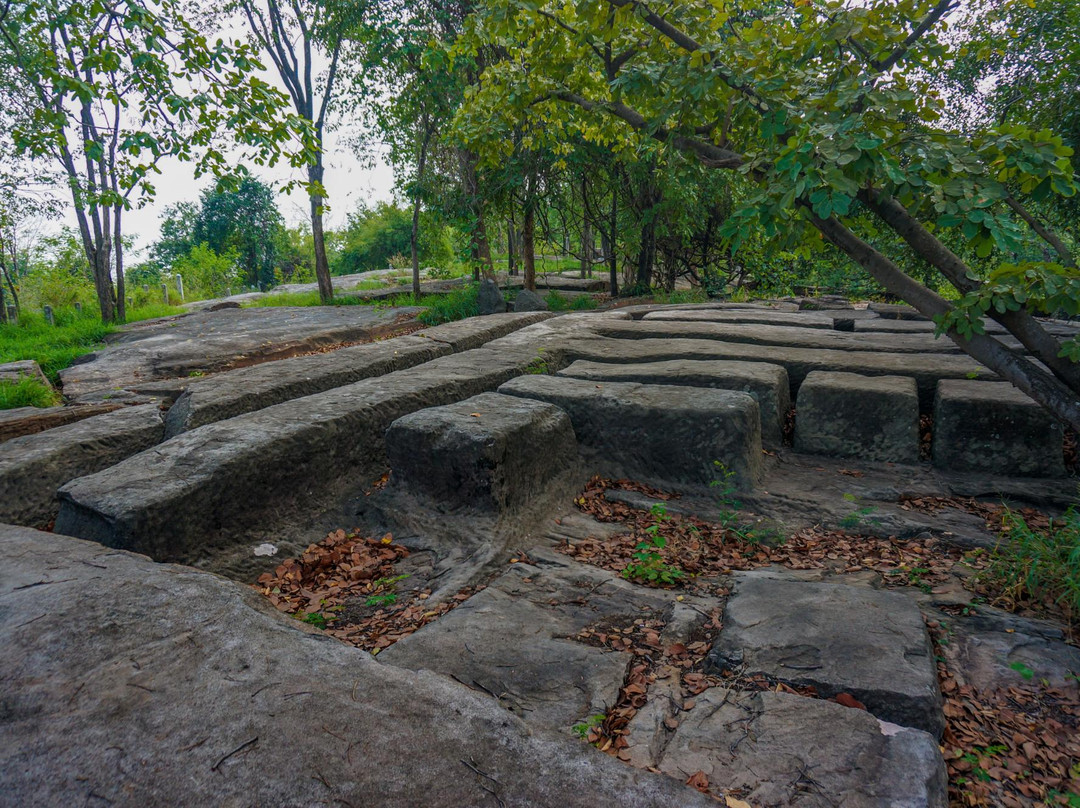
{"x":893,"y":311}
{"x":515,"y":639}
{"x":206,"y":342}
{"x":33,"y":467}
{"x":659,"y":433}
{"x":760,"y":316}
{"x":776,"y":749}
{"x":839,"y":638}
{"x":528,"y":300}
{"x":490,"y":452}
{"x":235,"y":392}
{"x":474,"y":332}
{"x":134,"y":683}
{"x":29,"y":420}
{"x":926,"y":369}
{"x":491,"y":298}
{"x":848,"y":415}
{"x":13,"y":372}
{"x":202,"y":491}
{"x":563,"y":283}
{"x":768,"y":384}
{"x":996,"y":429}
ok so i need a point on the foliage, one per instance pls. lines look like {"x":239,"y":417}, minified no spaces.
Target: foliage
{"x":208,"y":274}
{"x":648,"y":565}
{"x":375,"y":236}
{"x":457,"y":305}
{"x":27,"y":392}
{"x":582,"y":728}
{"x":384,"y":591}
{"x":1038,"y":566}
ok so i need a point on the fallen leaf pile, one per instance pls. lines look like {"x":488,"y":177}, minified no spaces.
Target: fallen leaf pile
{"x":705,"y":550}
{"x":992,"y":513}
{"x":342,"y":571}
{"x":1015,"y":747}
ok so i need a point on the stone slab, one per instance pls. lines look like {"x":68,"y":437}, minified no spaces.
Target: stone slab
{"x":994,"y":428}
{"x":777,"y":749}
{"x":759,"y":316}
{"x":474,"y":332}
{"x":13,"y":372}
{"x":926,"y":369}
{"x":132,"y":683}
{"x":236,"y":392}
{"x":206,"y":342}
{"x":660,"y":433}
{"x":840,"y":638}
{"x":894,"y":311}
{"x":490,"y":452}
{"x":33,"y":467}
{"x":784,"y":336}
{"x":515,"y":639}
{"x":873,"y":418}
{"x":768,"y":384}
{"x":29,"y":420}
{"x":197,"y":492}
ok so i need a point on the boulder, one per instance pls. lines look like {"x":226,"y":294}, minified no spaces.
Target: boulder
{"x":768,"y":384}
{"x":490,"y":298}
{"x":127,"y":682}
{"x":994,"y":428}
{"x":528,"y":300}
{"x":491,"y":452}
{"x":849,"y":415}
{"x":33,"y":467}
{"x":839,"y":638}
{"x":663,"y":434}
{"x":475,"y":332}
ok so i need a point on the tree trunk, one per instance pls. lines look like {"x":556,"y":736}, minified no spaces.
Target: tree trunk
{"x":318,"y":240}
{"x":528,"y":256}
{"x":511,"y":263}
{"x":646,"y":257}
{"x":121,"y":300}
{"x":613,"y":223}
{"x":586,"y":235}
{"x":414,"y":236}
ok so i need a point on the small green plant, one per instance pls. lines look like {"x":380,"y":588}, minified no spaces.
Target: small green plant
{"x":1023,"y":670}
{"x":384,"y":591}
{"x":858,"y":516}
{"x":976,"y":757}
{"x":27,"y":392}
{"x":915,"y":578}
{"x":582,"y":729}
{"x":649,"y":565}
{"x":538,"y":366}
{"x":314,"y":619}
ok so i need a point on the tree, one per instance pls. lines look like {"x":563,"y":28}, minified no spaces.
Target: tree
{"x":294,"y":34}
{"x":826,"y":109}
{"x":111,"y":88}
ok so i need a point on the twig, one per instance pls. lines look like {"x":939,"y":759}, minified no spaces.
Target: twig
{"x":237,"y":750}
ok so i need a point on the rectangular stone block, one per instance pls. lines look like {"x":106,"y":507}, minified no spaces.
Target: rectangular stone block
{"x":473,"y":332}
{"x":994,"y":428}
{"x":491,"y":452}
{"x":657,"y":433}
{"x":849,"y":415}
{"x":768,"y":384}
{"x":34,"y":466}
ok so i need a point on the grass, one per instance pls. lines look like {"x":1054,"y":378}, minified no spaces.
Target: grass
{"x":305,"y":299}
{"x":54,"y":347}
{"x":681,"y":296}
{"x":1039,"y":567}
{"x":559,"y":302}
{"x":27,"y":392}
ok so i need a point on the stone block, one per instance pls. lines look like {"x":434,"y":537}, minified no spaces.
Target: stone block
{"x":13,"y":372}
{"x":659,"y":433}
{"x":491,"y":300}
{"x":491,"y":452}
{"x":475,"y":332}
{"x":847,"y":415}
{"x":528,"y":300}
{"x":994,"y":428}
{"x":768,"y":384}
{"x":840,"y":638}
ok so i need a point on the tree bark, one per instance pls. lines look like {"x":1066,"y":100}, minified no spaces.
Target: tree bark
{"x":528,"y":255}
{"x":586,"y":235}
{"x":318,"y":239}
{"x":118,"y":247}
{"x":414,"y":236}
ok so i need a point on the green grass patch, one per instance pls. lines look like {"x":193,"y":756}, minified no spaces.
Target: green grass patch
{"x":27,"y":392}
{"x":681,"y":296}
{"x":54,"y":347}
{"x":307,"y":299}
{"x":1038,"y":568}
{"x":456,"y":305}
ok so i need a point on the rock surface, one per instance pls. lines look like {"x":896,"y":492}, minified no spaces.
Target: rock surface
{"x":13,"y":372}
{"x":33,"y":467}
{"x":490,"y":298}
{"x":840,"y":638}
{"x":474,"y":332}
{"x":133,"y":683}
{"x":656,"y":433}
{"x":29,"y":420}
{"x":874,"y":418}
{"x":528,"y":300}
{"x":205,"y":342}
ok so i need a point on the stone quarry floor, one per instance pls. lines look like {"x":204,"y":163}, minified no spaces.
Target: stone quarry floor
{"x":827,"y":639}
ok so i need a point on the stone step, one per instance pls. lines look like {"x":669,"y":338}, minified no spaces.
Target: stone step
{"x":29,"y":420}
{"x":873,"y":418}
{"x":663,"y":434}
{"x":768,"y":384}
{"x":839,"y":638}
{"x":473,"y":332}
{"x":759,"y":316}
{"x":33,"y":467}
{"x":200,"y":490}
{"x":194,"y":687}
{"x":785,"y":336}
{"x":235,"y":392}
{"x":926,"y":369}
{"x":994,"y":428}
